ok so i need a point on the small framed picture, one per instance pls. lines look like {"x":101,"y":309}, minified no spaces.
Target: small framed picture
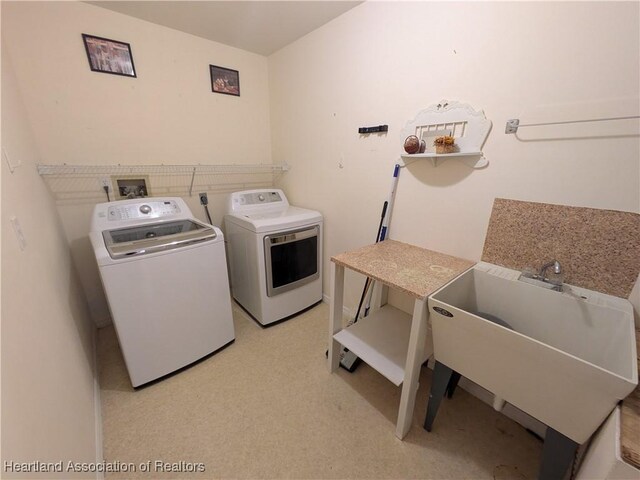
{"x":225,"y":80}
{"x":109,"y":56}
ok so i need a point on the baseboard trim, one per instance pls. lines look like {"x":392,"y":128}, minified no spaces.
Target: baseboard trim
{"x":347,"y":312}
{"x":97,"y":405}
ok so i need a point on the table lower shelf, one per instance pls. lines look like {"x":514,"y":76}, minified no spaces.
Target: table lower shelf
{"x":381,"y":340}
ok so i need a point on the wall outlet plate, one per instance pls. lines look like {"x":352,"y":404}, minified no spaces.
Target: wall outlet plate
{"x":106,"y":182}
{"x":203,"y":198}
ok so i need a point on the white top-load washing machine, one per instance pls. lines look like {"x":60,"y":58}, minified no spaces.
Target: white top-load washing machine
{"x":165,"y":277}
{"x":275,"y":254}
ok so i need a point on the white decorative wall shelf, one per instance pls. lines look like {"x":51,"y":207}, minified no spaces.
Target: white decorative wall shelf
{"x":469,"y":127}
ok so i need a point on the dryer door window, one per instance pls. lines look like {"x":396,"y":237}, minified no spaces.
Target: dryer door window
{"x":291,"y":259}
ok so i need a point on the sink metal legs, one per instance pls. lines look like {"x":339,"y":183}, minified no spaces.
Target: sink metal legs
{"x":440,"y":382}
{"x":558,"y":454}
{"x":558,"y":451}
{"x":453,"y":383}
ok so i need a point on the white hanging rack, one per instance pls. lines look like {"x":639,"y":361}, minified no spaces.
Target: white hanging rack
{"x":513,"y":124}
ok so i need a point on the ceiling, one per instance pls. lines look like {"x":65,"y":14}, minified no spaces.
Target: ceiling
{"x":261,"y":27}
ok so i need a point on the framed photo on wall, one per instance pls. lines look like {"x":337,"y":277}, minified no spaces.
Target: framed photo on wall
{"x":225,"y":80}
{"x":109,"y":56}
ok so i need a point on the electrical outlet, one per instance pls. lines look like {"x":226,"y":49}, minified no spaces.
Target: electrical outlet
{"x":203,"y":199}
{"x":106,"y":182}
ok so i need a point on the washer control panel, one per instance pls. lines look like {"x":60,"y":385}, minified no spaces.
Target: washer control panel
{"x":150,"y":209}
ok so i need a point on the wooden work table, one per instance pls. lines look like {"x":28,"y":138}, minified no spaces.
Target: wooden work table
{"x":389,"y":340}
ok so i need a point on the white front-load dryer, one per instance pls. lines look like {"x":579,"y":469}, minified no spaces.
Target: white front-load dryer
{"x":164,"y":274}
{"x":275,"y":254}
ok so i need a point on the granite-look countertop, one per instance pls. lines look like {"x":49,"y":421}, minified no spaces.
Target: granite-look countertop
{"x":413,"y":270}
{"x":598,"y":249}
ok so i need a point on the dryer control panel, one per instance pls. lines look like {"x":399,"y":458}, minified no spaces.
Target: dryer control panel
{"x":150,"y":209}
{"x":256,"y":198}
{"x":255,"y":201}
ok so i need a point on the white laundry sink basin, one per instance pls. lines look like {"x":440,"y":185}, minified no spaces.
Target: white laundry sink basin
{"x":569,"y":359}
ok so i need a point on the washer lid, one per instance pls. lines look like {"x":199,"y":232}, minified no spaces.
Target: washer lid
{"x":155,"y":237}
{"x":273,"y":221}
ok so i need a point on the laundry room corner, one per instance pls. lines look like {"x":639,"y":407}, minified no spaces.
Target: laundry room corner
{"x":492,"y":56}
{"x":142,"y":121}
{"x":270,"y":239}
{"x":50,"y":399}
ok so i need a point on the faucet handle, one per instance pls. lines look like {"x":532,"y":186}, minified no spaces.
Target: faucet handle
{"x":556,"y":278}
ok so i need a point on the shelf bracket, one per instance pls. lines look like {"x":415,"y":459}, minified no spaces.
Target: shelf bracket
{"x":512,"y":126}
{"x":193,"y":176}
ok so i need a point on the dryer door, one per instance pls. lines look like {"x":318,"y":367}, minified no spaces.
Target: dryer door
{"x":292,"y":259}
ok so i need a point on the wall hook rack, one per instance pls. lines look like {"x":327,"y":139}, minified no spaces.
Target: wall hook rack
{"x":378,"y":129}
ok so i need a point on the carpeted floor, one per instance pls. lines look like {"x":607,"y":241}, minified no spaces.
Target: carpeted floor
{"x":266,"y":407}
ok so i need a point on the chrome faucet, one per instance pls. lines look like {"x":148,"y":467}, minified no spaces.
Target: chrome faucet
{"x":557,"y":269}
{"x":540,"y":278}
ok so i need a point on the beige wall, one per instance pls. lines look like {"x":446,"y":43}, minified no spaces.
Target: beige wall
{"x":167,"y":115}
{"x":49,"y":412}
{"x":383,"y":62}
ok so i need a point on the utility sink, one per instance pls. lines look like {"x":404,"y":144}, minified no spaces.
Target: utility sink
{"x":567,"y":359}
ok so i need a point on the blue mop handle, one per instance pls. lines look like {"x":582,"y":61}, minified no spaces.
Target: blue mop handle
{"x":392,"y":195}
{"x":385,"y":229}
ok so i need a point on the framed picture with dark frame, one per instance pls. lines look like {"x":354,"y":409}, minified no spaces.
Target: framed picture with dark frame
{"x":109,"y":56}
{"x":225,"y":80}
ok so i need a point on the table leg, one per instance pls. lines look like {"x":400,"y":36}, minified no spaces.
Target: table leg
{"x":415,"y":353}
{"x":335,"y":315}
{"x":379,"y":296}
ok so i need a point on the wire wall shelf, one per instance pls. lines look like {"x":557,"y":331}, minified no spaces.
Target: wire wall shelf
{"x":83,"y":183}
